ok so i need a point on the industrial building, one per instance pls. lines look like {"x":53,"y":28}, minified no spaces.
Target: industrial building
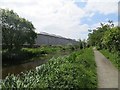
{"x":51,"y":39}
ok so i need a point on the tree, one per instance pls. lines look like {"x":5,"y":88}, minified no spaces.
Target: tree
{"x":16,"y":31}
{"x":95,"y":38}
{"x":111,"y":39}
{"x":82,"y":44}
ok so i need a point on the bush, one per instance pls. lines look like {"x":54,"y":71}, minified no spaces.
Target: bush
{"x":74,"y":71}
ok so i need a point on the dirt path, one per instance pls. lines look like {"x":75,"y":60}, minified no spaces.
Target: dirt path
{"x":107,"y":73}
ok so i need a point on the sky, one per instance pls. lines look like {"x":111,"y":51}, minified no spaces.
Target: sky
{"x":67,"y":18}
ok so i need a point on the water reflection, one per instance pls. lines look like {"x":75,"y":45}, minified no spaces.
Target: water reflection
{"x":21,"y":68}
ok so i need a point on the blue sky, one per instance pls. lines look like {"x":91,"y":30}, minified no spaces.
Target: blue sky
{"x":97,"y":18}
{"x":80,"y":4}
{"x":67,"y":18}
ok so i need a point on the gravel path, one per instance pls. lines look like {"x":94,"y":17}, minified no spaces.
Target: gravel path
{"x":107,"y":73}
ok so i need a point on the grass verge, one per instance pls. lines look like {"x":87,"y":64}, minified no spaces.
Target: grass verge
{"x":112,"y":56}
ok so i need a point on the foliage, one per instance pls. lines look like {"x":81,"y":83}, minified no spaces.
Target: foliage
{"x":26,"y":54}
{"x":95,"y":38}
{"x":111,"y":39}
{"x":70,"y":47}
{"x":114,"y":57}
{"x":77,"y":70}
{"x":16,"y":31}
{"x":106,"y":37}
{"x":82,"y":44}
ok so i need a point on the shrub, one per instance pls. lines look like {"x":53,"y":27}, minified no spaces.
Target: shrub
{"x":74,"y":71}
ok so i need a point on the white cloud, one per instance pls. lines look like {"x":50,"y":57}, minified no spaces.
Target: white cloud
{"x":116,"y":23}
{"x":61,"y":17}
{"x":97,"y":0}
{"x":104,"y":7}
{"x":55,"y":16}
{"x":94,"y":26}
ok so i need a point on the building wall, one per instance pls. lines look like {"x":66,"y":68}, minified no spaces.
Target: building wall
{"x":53,"y":40}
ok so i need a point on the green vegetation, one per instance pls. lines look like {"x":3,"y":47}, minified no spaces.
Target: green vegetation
{"x":16,"y":31}
{"x":29,"y":54}
{"x":71,"y":66}
{"x":111,"y":39}
{"x":77,"y":70}
{"x":113,"y":56}
{"x":107,"y":37}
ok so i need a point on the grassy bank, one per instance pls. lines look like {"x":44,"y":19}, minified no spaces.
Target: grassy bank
{"x":77,"y":70}
{"x":112,"y":56}
{"x":29,"y":54}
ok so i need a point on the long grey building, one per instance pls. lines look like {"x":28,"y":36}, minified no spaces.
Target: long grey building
{"x":51,"y":39}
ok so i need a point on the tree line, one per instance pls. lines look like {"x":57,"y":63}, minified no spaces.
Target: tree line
{"x":17,"y":31}
{"x":107,"y":36}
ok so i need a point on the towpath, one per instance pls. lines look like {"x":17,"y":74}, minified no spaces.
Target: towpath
{"x":107,"y":73}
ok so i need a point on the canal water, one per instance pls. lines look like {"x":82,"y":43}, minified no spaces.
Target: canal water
{"x":16,"y":69}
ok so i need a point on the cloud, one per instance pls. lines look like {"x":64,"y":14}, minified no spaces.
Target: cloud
{"x":55,"y":16}
{"x":96,"y":0}
{"x":60,"y":17}
{"x":103,"y":7}
{"x":94,"y":26}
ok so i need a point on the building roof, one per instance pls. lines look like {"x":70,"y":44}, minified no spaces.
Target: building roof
{"x":53,"y":35}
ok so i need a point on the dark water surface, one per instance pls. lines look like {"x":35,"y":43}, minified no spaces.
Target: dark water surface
{"x":16,"y":69}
